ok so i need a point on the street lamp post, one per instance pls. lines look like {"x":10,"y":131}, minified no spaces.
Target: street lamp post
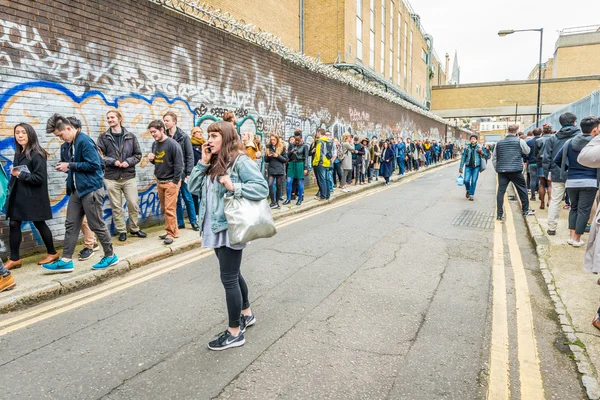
{"x":539,"y":87}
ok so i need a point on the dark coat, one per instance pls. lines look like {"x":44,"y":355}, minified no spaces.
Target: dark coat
{"x":85,"y":170}
{"x":28,"y":198}
{"x":276,"y":164}
{"x":129,"y":151}
{"x":188,"y":152}
{"x":387,"y":157}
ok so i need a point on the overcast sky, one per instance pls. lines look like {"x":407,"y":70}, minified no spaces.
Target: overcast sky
{"x":471,"y":27}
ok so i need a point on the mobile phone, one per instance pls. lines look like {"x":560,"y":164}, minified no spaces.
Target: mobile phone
{"x":208,"y":149}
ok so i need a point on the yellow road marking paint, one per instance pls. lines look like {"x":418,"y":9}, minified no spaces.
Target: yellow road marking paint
{"x":499,"y":386}
{"x":529,"y":363}
{"x":59,"y":307}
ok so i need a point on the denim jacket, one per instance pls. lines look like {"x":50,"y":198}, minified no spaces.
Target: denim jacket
{"x":247,"y":181}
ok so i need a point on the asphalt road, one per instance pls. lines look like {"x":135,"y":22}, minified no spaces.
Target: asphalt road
{"x":382,"y":297}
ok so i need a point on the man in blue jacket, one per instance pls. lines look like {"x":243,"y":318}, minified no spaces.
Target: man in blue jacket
{"x":84,"y":186}
{"x":400,"y":154}
{"x":530,"y":159}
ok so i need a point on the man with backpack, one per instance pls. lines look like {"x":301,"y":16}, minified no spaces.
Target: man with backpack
{"x":552,"y":145}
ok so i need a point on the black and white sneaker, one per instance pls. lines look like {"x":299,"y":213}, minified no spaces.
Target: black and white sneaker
{"x":529,"y":212}
{"x":85,"y":254}
{"x":225,"y":340}
{"x":246,"y":321}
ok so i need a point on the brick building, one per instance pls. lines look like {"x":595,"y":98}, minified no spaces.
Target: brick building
{"x":385,"y":38}
{"x":146,"y":57}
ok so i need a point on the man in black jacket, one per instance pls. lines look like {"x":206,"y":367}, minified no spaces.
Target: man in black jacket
{"x":170,"y":120}
{"x":121,"y":152}
{"x":552,"y":145}
{"x":508,"y":163}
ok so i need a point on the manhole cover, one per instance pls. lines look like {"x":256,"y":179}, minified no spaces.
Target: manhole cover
{"x":474,"y":219}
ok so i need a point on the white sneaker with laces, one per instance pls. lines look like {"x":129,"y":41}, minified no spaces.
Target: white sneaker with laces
{"x":570,"y":241}
{"x":578,"y":244}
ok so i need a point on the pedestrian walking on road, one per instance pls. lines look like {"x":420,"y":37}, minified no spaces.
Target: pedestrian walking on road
{"x":552,"y":146}
{"x":470,"y":164}
{"x":121,"y":152}
{"x":28,"y":195}
{"x":85,"y":188}
{"x":582,"y":182}
{"x":167,"y":158}
{"x":532,"y":167}
{"x":215,"y":180}
{"x":184,"y":197}
{"x":508,"y":163}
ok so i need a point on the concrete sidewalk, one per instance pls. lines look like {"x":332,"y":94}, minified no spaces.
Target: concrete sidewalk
{"x":574,"y":292}
{"x":35,"y":286}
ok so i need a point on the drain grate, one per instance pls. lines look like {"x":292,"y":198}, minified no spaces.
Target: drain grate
{"x":474,"y":219}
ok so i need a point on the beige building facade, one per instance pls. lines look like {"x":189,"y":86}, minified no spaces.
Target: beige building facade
{"x":383,"y":37}
{"x":575,"y":54}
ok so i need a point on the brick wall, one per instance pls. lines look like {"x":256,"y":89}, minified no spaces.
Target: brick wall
{"x":83,"y":58}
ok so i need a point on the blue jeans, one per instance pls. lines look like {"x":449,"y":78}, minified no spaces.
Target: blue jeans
{"x":428,"y":157}
{"x":186,"y":196}
{"x":471,"y":176}
{"x":321,"y":174}
{"x":401,"y":165}
{"x":300,"y":193}
{"x":534,"y":181}
{"x":330,"y":178}
{"x":3,"y":271}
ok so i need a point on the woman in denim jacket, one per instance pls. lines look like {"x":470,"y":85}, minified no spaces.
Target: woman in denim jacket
{"x":213,"y":179}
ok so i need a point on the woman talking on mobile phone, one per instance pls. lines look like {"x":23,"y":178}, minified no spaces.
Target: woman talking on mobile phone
{"x":217,"y":177}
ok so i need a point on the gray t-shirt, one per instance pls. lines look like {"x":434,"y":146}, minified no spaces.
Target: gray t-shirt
{"x":212,"y":240}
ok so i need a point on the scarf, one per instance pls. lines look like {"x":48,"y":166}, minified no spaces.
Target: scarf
{"x":197,"y":142}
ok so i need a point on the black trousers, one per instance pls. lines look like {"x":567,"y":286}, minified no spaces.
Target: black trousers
{"x":15,"y":238}
{"x":517,"y":178}
{"x":236,"y":290}
{"x":582,"y":201}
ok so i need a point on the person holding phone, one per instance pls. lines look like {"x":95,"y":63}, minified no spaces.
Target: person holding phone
{"x":297,"y":167}
{"x":277,"y":158}
{"x":213,"y":177}
{"x":28,"y":199}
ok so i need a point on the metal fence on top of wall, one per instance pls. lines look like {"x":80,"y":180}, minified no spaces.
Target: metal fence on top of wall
{"x":589,"y":105}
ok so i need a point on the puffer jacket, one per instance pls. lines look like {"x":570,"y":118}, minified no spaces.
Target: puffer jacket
{"x":248,"y":182}
{"x":129,"y":152}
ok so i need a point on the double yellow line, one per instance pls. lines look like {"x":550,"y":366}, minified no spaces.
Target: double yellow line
{"x":530,"y":376}
{"x":78,"y":300}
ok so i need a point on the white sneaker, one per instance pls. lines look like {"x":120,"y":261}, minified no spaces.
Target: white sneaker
{"x":570,"y":241}
{"x":578,"y":244}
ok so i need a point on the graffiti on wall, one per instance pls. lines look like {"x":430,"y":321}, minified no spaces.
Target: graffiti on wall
{"x":85,"y":80}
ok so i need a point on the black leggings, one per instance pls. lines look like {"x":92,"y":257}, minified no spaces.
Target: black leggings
{"x":279,"y":179}
{"x":236,"y":290}
{"x":15,"y":238}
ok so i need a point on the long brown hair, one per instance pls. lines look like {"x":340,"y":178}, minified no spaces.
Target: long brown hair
{"x":279,"y":147}
{"x":231,"y":148}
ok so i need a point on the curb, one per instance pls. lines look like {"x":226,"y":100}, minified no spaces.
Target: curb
{"x":59,"y":287}
{"x":582,"y":358}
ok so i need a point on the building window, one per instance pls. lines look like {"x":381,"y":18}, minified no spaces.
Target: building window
{"x":382,"y":52}
{"x":399,"y":79}
{"x":359,"y":43}
{"x":410,"y":60}
{"x":424,"y":55}
{"x":391,"y":30}
{"x":405,"y":53}
{"x":372,"y":34}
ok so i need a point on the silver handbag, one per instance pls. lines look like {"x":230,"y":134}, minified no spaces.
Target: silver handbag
{"x":247,"y":220}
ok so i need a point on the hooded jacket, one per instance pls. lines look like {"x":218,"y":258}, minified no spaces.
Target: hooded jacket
{"x":129,"y":151}
{"x":322,"y":150}
{"x":566,"y":159}
{"x":552,"y":146}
